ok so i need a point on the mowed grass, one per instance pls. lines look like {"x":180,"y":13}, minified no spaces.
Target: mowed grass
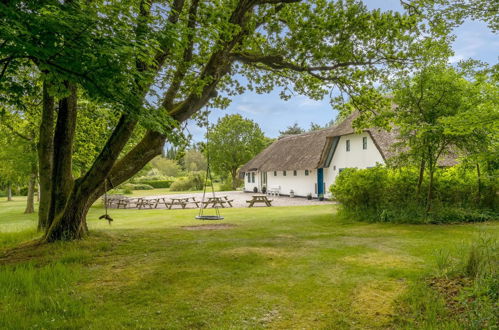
{"x":280,"y":267}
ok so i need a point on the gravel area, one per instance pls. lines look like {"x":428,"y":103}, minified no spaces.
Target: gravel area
{"x":239,"y":199}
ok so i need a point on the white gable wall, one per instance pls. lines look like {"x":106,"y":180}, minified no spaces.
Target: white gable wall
{"x":357,"y":157}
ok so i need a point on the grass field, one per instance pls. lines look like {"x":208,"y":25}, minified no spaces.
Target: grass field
{"x":293,"y":267}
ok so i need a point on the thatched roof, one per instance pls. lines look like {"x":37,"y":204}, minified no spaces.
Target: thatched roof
{"x":294,"y":152}
{"x":310,"y":150}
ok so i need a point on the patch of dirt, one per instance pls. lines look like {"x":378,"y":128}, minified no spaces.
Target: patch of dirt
{"x":449,"y":289}
{"x":210,"y":226}
{"x":374,"y":301}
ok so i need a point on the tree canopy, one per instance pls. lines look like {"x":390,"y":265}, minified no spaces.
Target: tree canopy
{"x":232,"y":142}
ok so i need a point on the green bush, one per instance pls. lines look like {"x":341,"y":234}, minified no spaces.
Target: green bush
{"x":390,"y":195}
{"x":157,"y":183}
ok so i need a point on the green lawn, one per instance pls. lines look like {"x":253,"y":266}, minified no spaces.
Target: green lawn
{"x":289,"y":267}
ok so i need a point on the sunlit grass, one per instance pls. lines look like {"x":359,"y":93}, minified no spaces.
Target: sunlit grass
{"x":279,"y":267}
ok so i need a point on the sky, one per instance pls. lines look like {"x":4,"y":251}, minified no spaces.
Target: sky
{"x":473,"y":40}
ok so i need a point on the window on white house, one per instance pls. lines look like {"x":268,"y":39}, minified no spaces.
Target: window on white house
{"x":275,"y":173}
{"x":334,"y":168}
{"x":249,"y":178}
{"x":348,"y":145}
{"x":253,"y":177}
{"x":294,"y":173}
{"x":306,"y":172}
{"x":364,"y":142}
{"x":283,"y":173}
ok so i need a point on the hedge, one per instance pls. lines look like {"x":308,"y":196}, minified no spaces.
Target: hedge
{"x":157,"y":183}
{"x":390,"y":195}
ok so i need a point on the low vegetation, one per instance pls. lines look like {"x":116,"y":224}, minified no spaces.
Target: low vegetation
{"x":293,"y":267}
{"x":464,"y":284}
{"x":391,"y":195}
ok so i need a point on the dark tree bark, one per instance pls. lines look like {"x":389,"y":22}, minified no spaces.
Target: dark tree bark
{"x":62,"y":177}
{"x":45,"y":158}
{"x":30,"y":204}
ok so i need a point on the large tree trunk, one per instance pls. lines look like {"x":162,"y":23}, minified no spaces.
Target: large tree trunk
{"x":71,"y":223}
{"x":62,"y":178}
{"x":9,"y":192}
{"x":45,"y":158}
{"x":30,"y":204}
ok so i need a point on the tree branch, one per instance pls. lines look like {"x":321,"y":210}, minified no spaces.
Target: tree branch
{"x":186,"y":58}
{"x":22,"y":136}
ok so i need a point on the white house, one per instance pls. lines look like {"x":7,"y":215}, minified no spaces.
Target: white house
{"x":308,"y":163}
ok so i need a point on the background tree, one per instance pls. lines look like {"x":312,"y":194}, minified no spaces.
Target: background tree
{"x":194,"y":160}
{"x":180,"y":54}
{"x":167,"y":167}
{"x":292,"y":130}
{"x":232,"y":142}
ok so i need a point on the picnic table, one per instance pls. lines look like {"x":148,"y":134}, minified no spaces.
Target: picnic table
{"x":147,"y":202}
{"x":259,"y":199}
{"x":177,"y":201}
{"x":214,"y":201}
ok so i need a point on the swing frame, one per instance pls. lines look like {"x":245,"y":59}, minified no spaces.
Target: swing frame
{"x":201,"y":215}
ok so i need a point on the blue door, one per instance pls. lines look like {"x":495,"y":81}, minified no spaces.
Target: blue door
{"x":320,"y":181}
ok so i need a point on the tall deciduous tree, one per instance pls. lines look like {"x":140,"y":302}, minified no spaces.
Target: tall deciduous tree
{"x":232,"y":142}
{"x":427,"y":105}
{"x":180,"y":53}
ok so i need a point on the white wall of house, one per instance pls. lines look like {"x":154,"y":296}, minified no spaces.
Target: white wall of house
{"x":357,"y":157}
{"x":301,"y":184}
